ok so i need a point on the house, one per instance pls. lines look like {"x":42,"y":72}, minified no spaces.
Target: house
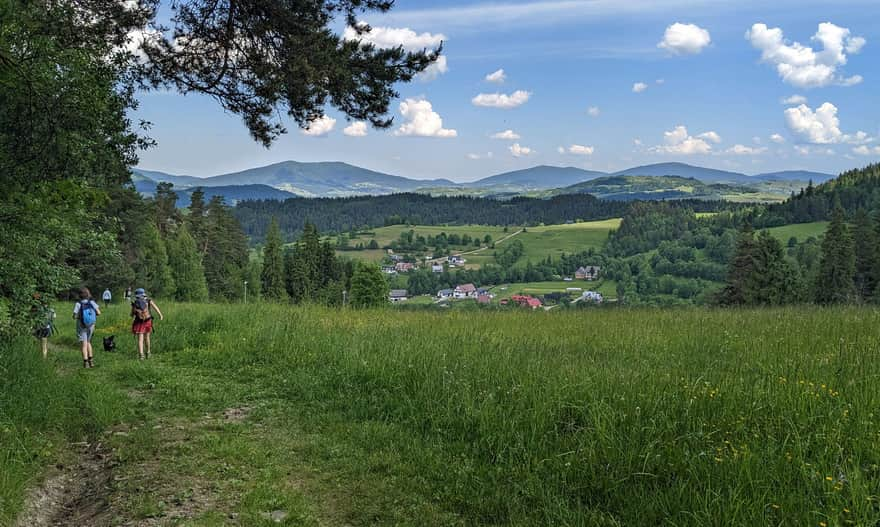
{"x":485,"y":298}
{"x":526,"y":301}
{"x":437,"y":268}
{"x":465,"y":291}
{"x":455,"y":260}
{"x":592,"y":296}
{"x":404,"y":267}
{"x":387,"y":269}
{"x":444,"y":293}
{"x":397,"y":295}
{"x":395,"y":257}
{"x":590,"y":272}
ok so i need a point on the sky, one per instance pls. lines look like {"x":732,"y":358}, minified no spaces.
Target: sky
{"x":750,"y":86}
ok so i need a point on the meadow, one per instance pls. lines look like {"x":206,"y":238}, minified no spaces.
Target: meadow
{"x":248,"y":414}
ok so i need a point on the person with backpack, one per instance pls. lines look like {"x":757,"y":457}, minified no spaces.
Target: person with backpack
{"x":44,"y":317}
{"x":142,"y":326}
{"x":107,"y":296}
{"x":86,"y":312}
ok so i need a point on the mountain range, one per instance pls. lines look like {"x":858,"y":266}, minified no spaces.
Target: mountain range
{"x":335,"y":179}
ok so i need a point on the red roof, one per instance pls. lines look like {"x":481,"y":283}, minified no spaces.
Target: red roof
{"x":466,"y":288}
{"x":533,"y":302}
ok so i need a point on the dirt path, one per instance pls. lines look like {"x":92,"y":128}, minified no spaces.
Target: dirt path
{"x":72,"y":495}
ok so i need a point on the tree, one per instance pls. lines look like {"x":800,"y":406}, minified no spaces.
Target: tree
{"x":865,"y":256}
{"x":772,"y":280}
{"x":167,"y":215}
{"x":835,"y":282}
{"x":152,"y":271}
{"x":737,"y":289}
{"x":272,"y":275}
{"x":368,"y":286}
{"x":226,"y":253}
{"x":186,"y":266}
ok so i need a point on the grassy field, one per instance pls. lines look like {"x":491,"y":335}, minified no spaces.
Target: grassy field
{"x":608,"y":417}
{"x":608,"y":288}
{"x":801,"y":231}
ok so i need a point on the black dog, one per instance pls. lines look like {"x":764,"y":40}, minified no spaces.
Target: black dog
{"x":109,"y":344}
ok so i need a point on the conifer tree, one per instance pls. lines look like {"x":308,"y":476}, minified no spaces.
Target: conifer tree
{"x":195,"y":220}
{"x":737,"y":292}
{"x":272,"y":275}
{"x":772,"y":280}
{"x":226,"y":254}
{"x":186,"y":266}
{"x":866,"y":256}
{"x":368,"y":286}
{"x":151,"y":268}
{"x":835,"y":282}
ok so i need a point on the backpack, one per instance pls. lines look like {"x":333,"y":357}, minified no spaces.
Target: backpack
{"x":140,"y":308}
{"x":87,"y":313}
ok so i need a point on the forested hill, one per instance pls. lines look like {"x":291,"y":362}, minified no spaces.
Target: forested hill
{"x":856,"y":189}
{"x":346,"y":214}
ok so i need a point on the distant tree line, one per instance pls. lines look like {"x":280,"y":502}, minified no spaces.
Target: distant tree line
{"x":338,"y":215}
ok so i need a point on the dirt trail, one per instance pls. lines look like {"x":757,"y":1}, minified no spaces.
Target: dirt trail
{"x":72,"y":495}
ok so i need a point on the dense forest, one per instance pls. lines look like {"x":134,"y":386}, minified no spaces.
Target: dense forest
{"x":335,"y":215}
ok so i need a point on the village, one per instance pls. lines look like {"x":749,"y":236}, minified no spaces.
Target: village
{"x":490,"y":295}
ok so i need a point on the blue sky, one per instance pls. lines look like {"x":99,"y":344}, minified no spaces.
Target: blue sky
{"x":712,"y":93}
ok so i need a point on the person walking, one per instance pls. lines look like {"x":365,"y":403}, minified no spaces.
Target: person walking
{"x":127,"y":294}
{"x":107,"y":297}
{"x":86,"y":313}
{"x":44,"y":316}
{"x":142,"y":326}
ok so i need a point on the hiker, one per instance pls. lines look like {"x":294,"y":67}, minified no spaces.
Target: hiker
{"x":142,"y":311}
{"x":127,"y":295}
{"x":107,"y":296}
{"x":45,"y":322}
{"x":86,"y":313}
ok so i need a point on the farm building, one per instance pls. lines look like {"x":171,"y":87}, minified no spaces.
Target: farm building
{"x":437,"y":268}
{"x":398,"y":295}
{"x":404,"y":267}
{"x":526,"y":301}
{"x":465,"y":291}
{"x":590,"y":272}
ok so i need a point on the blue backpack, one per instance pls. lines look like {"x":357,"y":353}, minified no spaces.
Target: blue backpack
{"x":87,"y":313}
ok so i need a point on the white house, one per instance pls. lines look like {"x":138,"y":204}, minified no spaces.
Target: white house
{"x":465,"y":291}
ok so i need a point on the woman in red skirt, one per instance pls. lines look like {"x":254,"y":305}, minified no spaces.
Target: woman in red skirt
{"x":142,"y":310}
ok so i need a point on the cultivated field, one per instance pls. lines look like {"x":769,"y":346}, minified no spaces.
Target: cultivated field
{"x":801,"y":231}
{"x":308,"y":416}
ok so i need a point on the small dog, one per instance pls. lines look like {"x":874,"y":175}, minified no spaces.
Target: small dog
{"x":109,"y":344}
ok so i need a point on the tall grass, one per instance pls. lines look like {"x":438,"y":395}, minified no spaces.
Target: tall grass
{"x":603,"y":417}
{"x":600,"y":417}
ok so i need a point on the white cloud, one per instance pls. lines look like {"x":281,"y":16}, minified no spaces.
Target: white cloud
{"x":639,"y":87}
{"x":803,"y":66}
{"x":421,"y":120}
{"x":684,"y":39}
{"x":519,"y":151}
{"x":593,"y":111}
{"x":320,"y":126}
{"x":356,"y":129}
{"x":581,"y":150}
{"x":560,"y":149}
{"x":743,"y":150}
{"x":498,"y":77}
{"x":509,"y":135}
{"x":660,"y":82}
{"x":678,"y":141}
{"x":778,"y":139}
{"x":794,"y":99}
{"x":391,"y":37}
{"x":821,"y":126}
{"x":637,"y":142}
{"x":756,"y":140}
{"x":476,"y":157}
{"x":865,"y":150}
{"x":501,"y":100}
{"x":437,"y":68}
{"x":710,"y":136}
{"x":807,"y":150}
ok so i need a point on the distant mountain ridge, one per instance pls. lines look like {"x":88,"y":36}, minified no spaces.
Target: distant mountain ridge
{"x":336,"y":179}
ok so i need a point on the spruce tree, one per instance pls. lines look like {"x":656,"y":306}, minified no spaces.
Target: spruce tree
{"x":772,"y":280}
{"x":272,"y":275}
{"x":152,"y":271}
{"x":866,"y":256}
{"x":737,"y":290}
{"x":186,"y":266}
{"x":195,"y":220}
{"x":368,"y":286}
{"x":837,"y":268}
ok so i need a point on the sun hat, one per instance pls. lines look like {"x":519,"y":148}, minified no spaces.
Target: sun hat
{"x":140,"y":292}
